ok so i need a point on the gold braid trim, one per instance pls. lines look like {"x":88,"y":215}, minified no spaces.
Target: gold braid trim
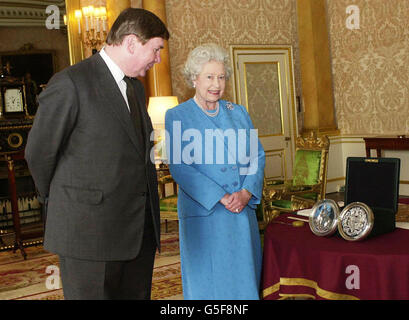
{"x":271,"y":290}
{"x":306,"y":283}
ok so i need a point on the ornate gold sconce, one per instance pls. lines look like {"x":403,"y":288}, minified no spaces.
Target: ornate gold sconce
{"x":92,"y":25}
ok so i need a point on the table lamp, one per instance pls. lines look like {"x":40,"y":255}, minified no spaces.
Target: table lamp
{"x":157,"y":108}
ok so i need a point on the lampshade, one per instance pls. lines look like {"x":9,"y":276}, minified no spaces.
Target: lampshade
{"x":157,"y":108}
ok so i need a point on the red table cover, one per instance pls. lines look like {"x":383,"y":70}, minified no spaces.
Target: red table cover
{"x":298,"y":263}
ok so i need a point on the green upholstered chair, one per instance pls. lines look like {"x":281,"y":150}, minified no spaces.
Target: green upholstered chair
{"x":308,"y":184}
{"x":168,"y":205}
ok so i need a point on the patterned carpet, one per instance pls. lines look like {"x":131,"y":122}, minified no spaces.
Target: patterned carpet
{"x":26,"y":280}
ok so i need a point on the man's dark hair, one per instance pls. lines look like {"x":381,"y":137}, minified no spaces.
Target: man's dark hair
{"x":140,"y":22}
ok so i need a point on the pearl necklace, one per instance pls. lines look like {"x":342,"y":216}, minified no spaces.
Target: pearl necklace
{"x":210,"y":114}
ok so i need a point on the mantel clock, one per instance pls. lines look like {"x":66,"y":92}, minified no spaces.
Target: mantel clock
{"x":12,"y":98}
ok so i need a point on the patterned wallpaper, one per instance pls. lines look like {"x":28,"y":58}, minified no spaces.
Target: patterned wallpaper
{"x":136,"y":3}
{"x":264,"y":90}
{"x":371,"y":66}
{"x":193,"y":22}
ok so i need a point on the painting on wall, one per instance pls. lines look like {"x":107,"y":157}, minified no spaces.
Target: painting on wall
{"x":39,"y":64}
{"x":35,"y":66}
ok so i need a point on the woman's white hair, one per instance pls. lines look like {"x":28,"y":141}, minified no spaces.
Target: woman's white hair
{"x":201,"y":55}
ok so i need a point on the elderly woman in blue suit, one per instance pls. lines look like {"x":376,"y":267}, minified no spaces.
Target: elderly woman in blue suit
{"x":218,"y":162}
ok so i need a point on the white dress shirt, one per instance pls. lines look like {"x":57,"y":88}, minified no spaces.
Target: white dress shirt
{"x":117,"y":73}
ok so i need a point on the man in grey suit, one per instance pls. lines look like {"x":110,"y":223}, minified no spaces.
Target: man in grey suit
{"x":89,"y":154}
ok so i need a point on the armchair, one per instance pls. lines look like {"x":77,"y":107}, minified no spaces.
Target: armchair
{"x":167,"y":204}
{"x":308,"y":184}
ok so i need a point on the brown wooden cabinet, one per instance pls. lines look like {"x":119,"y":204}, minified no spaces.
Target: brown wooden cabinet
{"x":385,"y":143}
{"x":19,"y":185}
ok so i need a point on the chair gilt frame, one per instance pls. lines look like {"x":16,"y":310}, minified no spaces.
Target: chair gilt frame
{"x":286,"y":190}
{"x":164,"y":178}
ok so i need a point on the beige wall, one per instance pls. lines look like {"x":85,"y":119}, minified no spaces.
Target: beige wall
{"x":41,"y":38}
{"x":371,"y":67}
{"x":136,"y":3}
{"x":193,"y":22}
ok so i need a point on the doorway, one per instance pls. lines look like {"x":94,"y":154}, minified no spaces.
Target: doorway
{"x":264,"y":83}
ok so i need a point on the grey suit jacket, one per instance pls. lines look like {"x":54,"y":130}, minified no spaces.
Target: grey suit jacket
{"x":83,"y":154}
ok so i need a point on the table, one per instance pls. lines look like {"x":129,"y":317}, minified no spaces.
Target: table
{"x":298,"y":263}
{"x":385,"y":143}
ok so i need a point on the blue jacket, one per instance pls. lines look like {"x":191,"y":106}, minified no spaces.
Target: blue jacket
{"x":205,"y":160}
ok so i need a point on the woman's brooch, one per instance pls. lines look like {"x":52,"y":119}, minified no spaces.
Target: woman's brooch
{"x":229,"y":105}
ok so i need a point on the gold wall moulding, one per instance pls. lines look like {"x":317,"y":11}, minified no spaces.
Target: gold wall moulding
{"x":28,"y":13}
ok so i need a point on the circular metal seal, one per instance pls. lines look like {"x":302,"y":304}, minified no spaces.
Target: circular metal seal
{"x":356,"y":221}
{"x":324,"y":217}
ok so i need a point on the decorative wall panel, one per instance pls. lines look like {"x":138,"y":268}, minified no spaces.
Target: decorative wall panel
{"x":371,"y":66}
{"x":263,"y":97}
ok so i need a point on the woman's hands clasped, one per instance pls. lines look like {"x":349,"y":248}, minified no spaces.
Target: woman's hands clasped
{"x":236,"y":201}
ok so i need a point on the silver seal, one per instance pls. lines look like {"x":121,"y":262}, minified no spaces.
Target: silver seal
{"x":324,"y":217}
{"x":356,"y":221}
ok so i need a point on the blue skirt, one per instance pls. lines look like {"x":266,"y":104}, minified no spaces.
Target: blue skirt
{"x":221,"y":256}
